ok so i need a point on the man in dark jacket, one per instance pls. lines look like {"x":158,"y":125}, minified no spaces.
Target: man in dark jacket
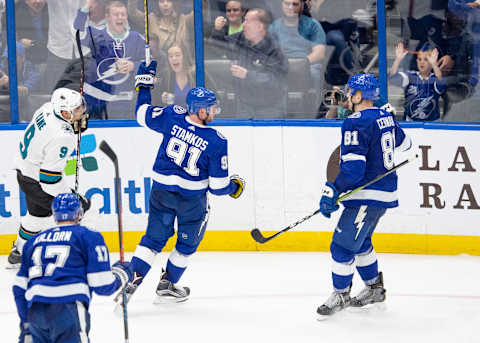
{"x":259,"y":68}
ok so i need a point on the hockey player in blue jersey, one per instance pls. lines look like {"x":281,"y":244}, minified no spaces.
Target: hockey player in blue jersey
{"x":191,"y":161}
{"x":60,"y":269}
{"x":370,"y":138}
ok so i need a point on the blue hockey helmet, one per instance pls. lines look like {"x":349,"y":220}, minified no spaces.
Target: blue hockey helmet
{"x":200,"y":97}
{"x":67,"y":207}
{"x":367,"y":84}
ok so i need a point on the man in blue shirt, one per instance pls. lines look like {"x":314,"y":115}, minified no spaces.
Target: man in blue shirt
{"x":370,"y":140}
{"x":60,"y":269}
{"x":300,"y":36}
{"x":191,"y":161}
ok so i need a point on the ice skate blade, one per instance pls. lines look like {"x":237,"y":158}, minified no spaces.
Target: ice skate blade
{"x":165,"y":299}
{"x":369,"y":308}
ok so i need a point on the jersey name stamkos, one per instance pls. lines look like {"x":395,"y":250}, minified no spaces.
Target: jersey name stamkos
{"x":189,"y":137}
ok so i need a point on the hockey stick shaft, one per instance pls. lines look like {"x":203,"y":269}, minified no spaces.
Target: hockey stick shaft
{"x":79,"y":134}
{"x":257,"y":235}
{"x":148,"y":56}
{"x":107,"y":150}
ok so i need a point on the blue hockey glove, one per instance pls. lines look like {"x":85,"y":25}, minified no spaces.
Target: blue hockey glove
{"x":124,"y":272}
{"x":328,"y":202}
{"x":241,"y":185}
{"x":145,"y":75}
{"x":25,"y":336}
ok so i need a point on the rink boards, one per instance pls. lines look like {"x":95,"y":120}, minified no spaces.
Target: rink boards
{"x":284,"y":164}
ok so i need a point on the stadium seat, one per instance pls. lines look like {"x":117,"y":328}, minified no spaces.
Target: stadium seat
{"x":219,"y":71}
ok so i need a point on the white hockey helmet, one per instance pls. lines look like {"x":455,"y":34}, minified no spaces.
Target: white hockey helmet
{"x":64,"y":99}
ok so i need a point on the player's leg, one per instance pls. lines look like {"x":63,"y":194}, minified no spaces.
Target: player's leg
{"x":159,"y":229}
{"x":37,"y":219}
{"x":192,"y":219}
{"x":367,"y":265}
{"x":354,"y":226}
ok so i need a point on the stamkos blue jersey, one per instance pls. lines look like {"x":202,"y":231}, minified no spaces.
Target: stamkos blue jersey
{"x":421,"y":94}
{"x":369,"y":140}
{"x":61,"y":265}
{"x":192,"y":158}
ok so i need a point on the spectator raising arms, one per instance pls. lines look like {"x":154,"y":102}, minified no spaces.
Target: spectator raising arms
{"x":422,"y":87}
{"x":116,"y":51}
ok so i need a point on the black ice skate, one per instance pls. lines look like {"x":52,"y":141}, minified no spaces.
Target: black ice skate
{"x":370,"y":294}
{"x":336,"y":302}
{"x":168,"y":292}
{"x":130,"y":288}
{"x":14,"y":259}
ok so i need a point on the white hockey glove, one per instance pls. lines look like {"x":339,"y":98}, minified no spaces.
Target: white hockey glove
{"x":145,"y":77}
{"x":389,"y":108}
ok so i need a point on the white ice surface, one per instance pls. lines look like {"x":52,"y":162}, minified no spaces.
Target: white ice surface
{"x":272,"y":297}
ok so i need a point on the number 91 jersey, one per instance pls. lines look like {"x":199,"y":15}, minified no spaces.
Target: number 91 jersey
{"x":192,"y":158}
{"x":369,"y":141}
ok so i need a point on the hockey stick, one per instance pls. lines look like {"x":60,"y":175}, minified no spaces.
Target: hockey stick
{"x":107,"y":150}
{"x":148,"y":57}
{"x":260,"y":238}
{"x":82,"y":81}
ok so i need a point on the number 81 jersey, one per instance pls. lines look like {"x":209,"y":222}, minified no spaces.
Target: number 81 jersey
{"x":192,"y":158}
{"x":370,"y":139}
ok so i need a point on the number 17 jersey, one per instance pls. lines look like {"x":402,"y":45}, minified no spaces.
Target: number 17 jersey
{"x":192,"y":158}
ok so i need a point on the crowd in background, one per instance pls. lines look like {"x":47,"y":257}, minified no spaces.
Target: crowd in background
{"x":263,"y":58}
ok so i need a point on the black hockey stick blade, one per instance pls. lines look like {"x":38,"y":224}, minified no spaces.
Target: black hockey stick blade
{"x":258,"y":237}
{"x":108,"y":151}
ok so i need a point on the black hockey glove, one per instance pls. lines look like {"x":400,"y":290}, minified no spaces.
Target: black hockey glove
{"x":240,"y":186}
{"x":86,"y":203}
{"x":81,"y":124}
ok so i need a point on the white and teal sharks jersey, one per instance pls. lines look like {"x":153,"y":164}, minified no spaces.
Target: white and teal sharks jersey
{"x":370,"y":140}
{"x":44,"y":148}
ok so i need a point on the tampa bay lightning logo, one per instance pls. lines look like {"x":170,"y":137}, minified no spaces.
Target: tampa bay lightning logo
{"x":421,"y":108}
{"x":199,"y":92}
{"x":107,"y":72}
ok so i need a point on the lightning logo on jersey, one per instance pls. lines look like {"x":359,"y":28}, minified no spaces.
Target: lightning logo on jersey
{"x":360,"y":219}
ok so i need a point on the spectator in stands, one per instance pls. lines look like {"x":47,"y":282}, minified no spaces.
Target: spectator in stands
{"x":259,"y":67}
{"x":28,"y":76}
{"x":32,"y":22}
{"x":96,"y":13}
{"x":176,"y":80}
{"x":233,"y":21}
{"x":61,"y":40}
{"x":28,"y":80}
{"x":422,"y":88}
{"x":117,"y":52}
{"x":300,"y":37}
{"x":458,"y":63}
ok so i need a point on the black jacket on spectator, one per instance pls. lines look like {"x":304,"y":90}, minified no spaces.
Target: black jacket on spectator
{"x":25,"y":28}
{"x":264,"y":88}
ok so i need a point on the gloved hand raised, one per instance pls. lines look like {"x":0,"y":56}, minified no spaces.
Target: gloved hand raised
{"x":145,"y":75}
